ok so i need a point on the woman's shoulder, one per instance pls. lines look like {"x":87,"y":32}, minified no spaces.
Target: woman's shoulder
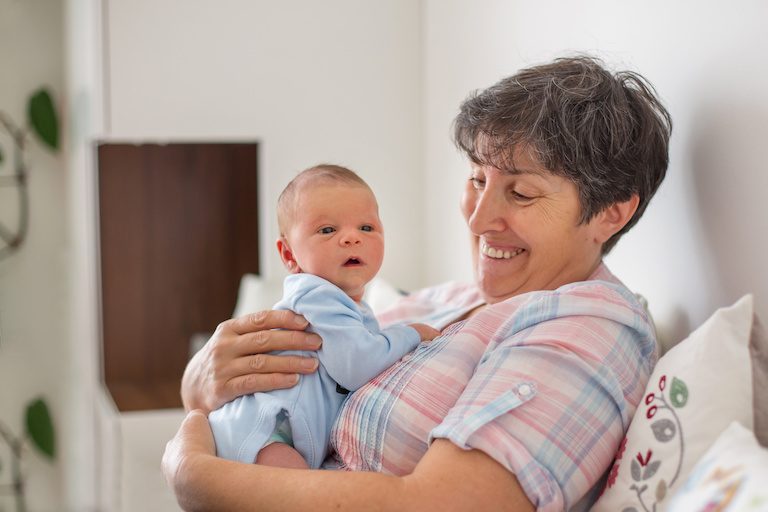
{"x":601,"y":294}
{"x":606,"y":292}
{"x":602,"y":305}
{"x":602,"y":297}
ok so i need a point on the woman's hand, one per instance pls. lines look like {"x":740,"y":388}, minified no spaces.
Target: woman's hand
{"x":234,"y":361}
{"x":193,"y":440}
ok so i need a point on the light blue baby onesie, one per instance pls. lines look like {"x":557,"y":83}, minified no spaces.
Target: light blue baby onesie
{"x":354,"y":351}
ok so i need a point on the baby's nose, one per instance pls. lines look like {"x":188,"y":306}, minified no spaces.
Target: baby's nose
{"x":351,"y":238}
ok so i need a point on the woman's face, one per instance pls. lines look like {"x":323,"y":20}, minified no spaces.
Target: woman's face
{"x":525,"y":230}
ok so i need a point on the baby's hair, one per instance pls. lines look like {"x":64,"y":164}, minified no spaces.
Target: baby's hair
{"x":321,"y":173}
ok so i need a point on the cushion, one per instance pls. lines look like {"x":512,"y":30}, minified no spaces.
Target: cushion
{"x":380,"y":295}
{"x":696,"y":390}
{"x":732,"y":475}
{"x":256,"y":294}
{"x":758,"y":351}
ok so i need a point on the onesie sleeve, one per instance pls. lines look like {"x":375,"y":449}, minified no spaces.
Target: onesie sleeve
{"x":555,"y":390}
{"x":354,"y":349}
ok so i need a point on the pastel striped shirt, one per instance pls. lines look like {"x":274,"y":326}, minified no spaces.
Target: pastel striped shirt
{"x":545,"y":383}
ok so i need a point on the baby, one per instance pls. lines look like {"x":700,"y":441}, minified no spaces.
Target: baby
{"x":332,"y":242}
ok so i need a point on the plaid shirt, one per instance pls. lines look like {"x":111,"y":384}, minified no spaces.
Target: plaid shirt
{"x":545,"y":383}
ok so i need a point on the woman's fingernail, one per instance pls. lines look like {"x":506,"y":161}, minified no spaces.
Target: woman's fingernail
{"x":309,"y":364}
{"x":299,"y":320}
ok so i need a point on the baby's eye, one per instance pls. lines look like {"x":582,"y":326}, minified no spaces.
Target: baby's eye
{"x":327,"y":230}
{"x":366,"y":227}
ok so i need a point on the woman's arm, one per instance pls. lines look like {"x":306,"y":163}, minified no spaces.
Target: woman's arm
{"x":447,"y":478}
{"x":234,"y":361}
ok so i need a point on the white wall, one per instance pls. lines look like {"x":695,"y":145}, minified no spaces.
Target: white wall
{"x":34,"y":311}
{"x":92,"y":440}
{"x":701,"y":243}
{"x":373,"y":85}
{"x":335,"y":81}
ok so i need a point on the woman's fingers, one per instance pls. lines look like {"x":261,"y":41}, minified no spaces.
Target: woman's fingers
{"x":266,"y":363}
{"x":234,"y":361}
{"x":264,"y":372}
{"x":264,"y":320}
{"x":258,"y":382}
{"x":268,"y":341}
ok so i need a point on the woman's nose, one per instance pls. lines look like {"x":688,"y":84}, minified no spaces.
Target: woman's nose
{"x":487,"y":213}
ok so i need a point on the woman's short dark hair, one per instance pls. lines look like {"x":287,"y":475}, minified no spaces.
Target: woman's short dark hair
{"x":606,"y":132}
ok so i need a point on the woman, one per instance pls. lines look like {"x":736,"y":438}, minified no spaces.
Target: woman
{"x":523,"y":400}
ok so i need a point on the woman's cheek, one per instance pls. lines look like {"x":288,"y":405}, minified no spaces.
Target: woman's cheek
{"x":467,"y":205}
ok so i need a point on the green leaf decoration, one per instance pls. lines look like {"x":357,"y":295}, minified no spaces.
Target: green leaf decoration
{"x":634,"y":469}
{"x":43,"y":119}
{"x":678,"y":393}
{"x":664,"y":430}
{"x":40,"y":427}
{"x":651,"y":469}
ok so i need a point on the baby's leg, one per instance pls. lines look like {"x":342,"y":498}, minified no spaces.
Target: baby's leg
{"x":282,"y":455}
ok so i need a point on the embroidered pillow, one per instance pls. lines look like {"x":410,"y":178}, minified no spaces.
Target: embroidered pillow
{"x":732,"y":475}
{"x":696,"y":390}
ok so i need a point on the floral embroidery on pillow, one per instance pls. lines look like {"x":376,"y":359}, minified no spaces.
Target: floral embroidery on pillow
{"x":666,"y":428}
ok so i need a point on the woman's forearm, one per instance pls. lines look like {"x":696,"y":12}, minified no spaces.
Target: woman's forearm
{"x":447,"y":479}
{"x":214,"y":484}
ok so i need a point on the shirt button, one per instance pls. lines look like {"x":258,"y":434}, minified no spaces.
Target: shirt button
{"x":524,"y":390}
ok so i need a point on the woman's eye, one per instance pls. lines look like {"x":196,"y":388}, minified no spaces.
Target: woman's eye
{"x":326,"y":230}
{"x":521,"y":197}
{"x":366,"y":227}
{"x":477,"y":183}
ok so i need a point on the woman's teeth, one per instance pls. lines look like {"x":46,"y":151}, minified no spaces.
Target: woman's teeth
{"x":498,"y":253}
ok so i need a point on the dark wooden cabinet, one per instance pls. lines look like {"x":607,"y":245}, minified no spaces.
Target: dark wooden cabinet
{"x":178,"y":228}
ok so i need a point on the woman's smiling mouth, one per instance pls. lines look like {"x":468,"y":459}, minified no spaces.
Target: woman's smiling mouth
{"x":498,"y":254}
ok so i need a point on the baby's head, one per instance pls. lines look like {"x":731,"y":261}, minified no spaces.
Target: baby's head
{"x":330,"y":227}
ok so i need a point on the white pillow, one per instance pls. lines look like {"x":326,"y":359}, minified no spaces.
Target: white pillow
{"x":696,"y":390}
{"x":732,"y":476}
{"x":380,"y":294}
{"x":256,"y":294}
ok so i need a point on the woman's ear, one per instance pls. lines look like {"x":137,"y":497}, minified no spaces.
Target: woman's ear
{"x":614,"y":217}
{"x":286,"y":254}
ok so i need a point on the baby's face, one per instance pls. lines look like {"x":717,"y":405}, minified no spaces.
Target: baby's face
{"x":337,"y":235}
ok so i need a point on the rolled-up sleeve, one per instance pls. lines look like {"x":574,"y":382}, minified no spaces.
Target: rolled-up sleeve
{"x":553,"y":394}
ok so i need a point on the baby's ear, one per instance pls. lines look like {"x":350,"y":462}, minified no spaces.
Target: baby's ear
{"x":286,"y":254}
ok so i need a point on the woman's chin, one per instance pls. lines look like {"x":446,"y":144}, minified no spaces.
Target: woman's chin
{"x":495,"y":289}
{"x":500,"y":279}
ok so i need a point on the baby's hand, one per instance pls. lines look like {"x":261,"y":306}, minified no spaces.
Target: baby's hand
{"x":426,"y":332}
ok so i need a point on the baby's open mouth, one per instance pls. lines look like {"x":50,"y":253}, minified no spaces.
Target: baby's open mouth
{"x":351,"y":262}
